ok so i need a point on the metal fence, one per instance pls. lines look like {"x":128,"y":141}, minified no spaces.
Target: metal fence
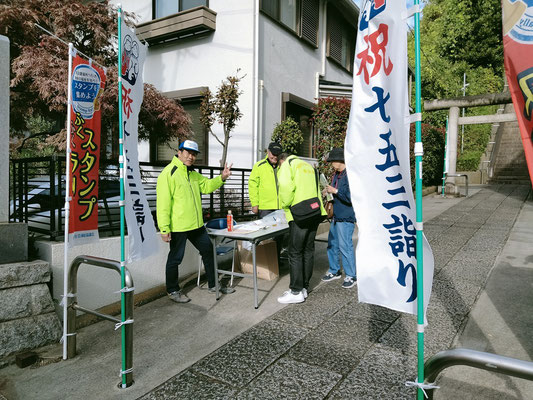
{"x":37,"y":194}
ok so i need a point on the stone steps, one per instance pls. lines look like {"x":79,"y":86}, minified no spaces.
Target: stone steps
{"x":510,"y":180}
{"x":510,"y":165}
{"x":27,"y":313}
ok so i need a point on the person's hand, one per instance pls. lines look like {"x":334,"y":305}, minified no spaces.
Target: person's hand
{"x":255,"y":209}
{"x":331,"y":189}
{"x":165,"y":237}
{"x":226,"y":172}
{"x":324,"y":191}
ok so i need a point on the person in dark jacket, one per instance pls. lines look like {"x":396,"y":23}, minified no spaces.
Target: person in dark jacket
{"x":342,"y":225}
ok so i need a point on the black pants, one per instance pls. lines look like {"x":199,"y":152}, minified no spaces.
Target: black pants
{"x":301,"y":254}
{"x":200,"y":240}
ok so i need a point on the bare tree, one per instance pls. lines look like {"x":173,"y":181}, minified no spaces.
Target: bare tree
{"x":222,"y":108}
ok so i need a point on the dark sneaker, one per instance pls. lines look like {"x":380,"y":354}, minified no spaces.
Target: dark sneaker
{"x":349,"y":282}
{"x":178,"y":297}
{"x":331,"y":277}
{"x":223,"y":290}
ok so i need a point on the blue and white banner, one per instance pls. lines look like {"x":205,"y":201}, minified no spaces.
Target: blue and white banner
{"x":142,"y":234}
{"x":377,"y":161}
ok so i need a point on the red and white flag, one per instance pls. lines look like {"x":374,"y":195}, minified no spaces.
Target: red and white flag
{"x":87,"y":85}
{"x":518,"y":59}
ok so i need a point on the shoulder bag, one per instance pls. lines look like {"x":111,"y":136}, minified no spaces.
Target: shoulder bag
{"x":308,"y":210}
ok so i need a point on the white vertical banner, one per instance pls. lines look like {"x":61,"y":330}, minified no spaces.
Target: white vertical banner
{"x":446,"y":151}
{"x":142,"y":234}
{"x":377,"y":161}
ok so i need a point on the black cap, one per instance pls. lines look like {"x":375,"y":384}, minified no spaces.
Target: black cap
{"x":275,"y":148}
{"x":336,"y":154}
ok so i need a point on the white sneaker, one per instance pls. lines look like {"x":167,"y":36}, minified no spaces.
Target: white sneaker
{"x":290,"y":298}
{"x":304,"y":291}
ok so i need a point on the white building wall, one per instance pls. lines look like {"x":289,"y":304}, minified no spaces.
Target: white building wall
{"x":207,"y":61}
{"x":288,"y":64}
{"x":335,"y":73}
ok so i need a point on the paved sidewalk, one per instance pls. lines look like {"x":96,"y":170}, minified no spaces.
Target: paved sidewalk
{"x":334,"y":347}
{"x":500,"y":322}
{"x":331,"y":346}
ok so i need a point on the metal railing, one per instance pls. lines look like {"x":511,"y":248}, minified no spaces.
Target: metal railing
{"x":37,"y":194}
{"x":73,"y":307}
{"x":477,"y":359}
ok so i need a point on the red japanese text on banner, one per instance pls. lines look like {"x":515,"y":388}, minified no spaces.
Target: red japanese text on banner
{"x":518,"y":60}
{"x":88,"y":83}
{"x":377,"y":162}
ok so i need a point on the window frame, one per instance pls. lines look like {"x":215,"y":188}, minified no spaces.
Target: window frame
{"x":345,"y":27}
{"x":180,"y":8}
{"x":184,"y":96}
{"x":299,"y":21}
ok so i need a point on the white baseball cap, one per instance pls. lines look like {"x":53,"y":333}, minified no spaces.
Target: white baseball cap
{"x":189,"y":145}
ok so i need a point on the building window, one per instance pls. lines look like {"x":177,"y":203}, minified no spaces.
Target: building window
{"x":299,"y":16}
{"x":190,"y":101}
{"x":341,"y":39}
{"x":301,"y":111}
{"x":163,"y":8}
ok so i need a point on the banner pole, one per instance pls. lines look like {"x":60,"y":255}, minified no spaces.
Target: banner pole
{"x":444,"y":169}
{"x":419,"y":224}
{"x":67,"y":201}
{"x":121,"y":162}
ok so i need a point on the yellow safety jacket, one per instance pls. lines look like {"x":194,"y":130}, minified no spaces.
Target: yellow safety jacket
{"x":179,"y":203}
{"x":263,"y":186}
{"x":297,"y":182}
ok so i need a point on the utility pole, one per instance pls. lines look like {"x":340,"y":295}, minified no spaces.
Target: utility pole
{"x":462,"y":126}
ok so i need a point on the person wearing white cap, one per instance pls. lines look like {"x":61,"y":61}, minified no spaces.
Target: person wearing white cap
{"x":179,"y":215}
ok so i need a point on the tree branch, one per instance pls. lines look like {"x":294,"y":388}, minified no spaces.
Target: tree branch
{"x":216,"y":137}
{"x":19,"y":148}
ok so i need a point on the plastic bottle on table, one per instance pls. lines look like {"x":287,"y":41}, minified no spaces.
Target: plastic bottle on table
{"x":229,"y":220}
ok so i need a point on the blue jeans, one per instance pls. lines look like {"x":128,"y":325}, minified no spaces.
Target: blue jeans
{"x":340,"y":240}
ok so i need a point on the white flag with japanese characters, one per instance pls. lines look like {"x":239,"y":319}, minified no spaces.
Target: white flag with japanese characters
{"x":377,"y":161}
{"x":142,"y":234}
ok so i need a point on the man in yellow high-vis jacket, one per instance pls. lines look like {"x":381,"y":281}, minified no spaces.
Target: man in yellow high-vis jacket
{"x":298,"y":182}
{"x":179,"y":215}
{"x":263,"y":182}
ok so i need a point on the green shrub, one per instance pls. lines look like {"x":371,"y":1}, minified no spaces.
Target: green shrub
{"x":289,"y":135}
{"x":469,"y":160}
{"x":330,"y":117}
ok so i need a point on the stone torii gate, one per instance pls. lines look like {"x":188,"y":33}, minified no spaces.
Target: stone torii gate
{"x":454,"y":120}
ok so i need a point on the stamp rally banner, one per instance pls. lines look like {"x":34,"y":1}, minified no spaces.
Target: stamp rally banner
{"x":377,"y":161}
{"x":88,"y":83}
{"x":518,"y":60}
{"x":142,"y":234}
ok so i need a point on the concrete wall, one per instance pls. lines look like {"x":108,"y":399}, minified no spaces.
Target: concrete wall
{"x":96,"y":286}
